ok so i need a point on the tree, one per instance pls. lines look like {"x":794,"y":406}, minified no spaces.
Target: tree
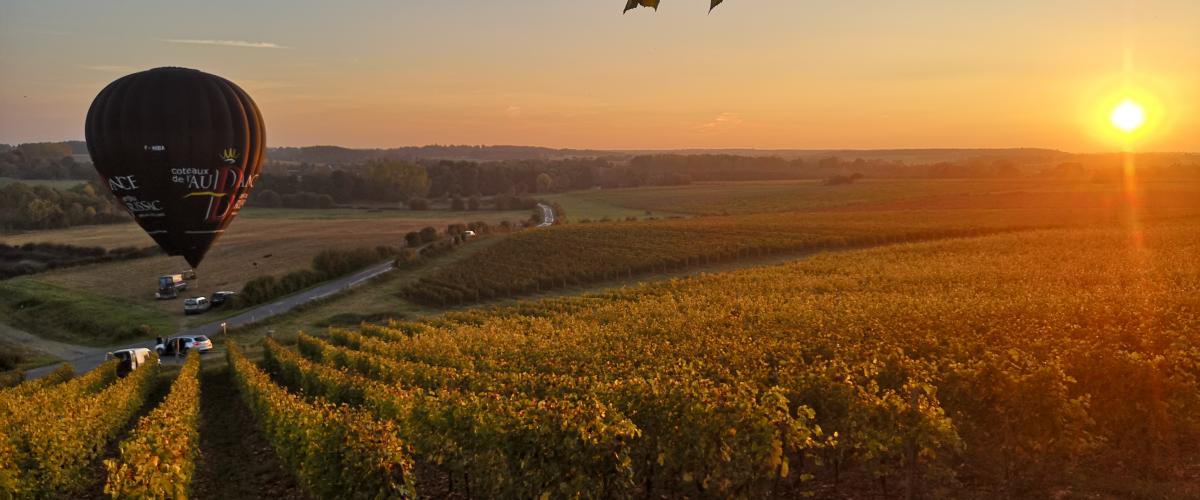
{"x":269,"y":199}
{"x":544,"y":183}
{"x":473,"y":203}
{"x":324,"y":201}
{"x":412,"y":239}
{"x":391,"y":180}
{"x":633,"y":4}
{"x":457,"y":204}
{"x":428,"y":234}
{"x":418,"y":204}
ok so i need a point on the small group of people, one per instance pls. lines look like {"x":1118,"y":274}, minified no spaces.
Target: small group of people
{"x":176,"y":346}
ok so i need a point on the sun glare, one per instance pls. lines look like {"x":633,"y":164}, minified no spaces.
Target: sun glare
{"x":1128,"y":116}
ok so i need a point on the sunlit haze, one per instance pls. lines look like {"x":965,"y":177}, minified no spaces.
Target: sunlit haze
{"x":753,"y":73}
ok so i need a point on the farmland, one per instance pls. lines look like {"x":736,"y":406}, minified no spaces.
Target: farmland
{"x":738,"y":198}
{"x":806,"y":360}
{"x":270,"y":242}
{"x":905,"y":211}
{"x":955,"y":343}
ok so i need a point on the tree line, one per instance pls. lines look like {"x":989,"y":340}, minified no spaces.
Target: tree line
{"x":43,"y":160}
{"x":26,"y":207}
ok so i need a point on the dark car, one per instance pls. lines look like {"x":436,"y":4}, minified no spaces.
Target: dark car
{"x":219,"y":298}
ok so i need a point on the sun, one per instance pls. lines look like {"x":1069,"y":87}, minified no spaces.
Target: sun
{"x":1128,"y":116}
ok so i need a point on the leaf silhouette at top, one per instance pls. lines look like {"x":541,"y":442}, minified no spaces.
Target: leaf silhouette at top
{"x":633,"y":4}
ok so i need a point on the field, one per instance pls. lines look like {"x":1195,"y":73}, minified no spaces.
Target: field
{"x":985,"y":341}
{"x":732,"y":198}
{"x":1090,"y":327}
{"x":901,"y":211}
{"x":268,"y":242}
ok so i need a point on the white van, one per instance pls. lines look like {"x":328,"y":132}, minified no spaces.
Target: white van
{"x":130,"y":359}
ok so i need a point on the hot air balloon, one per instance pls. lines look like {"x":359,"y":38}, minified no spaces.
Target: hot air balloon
{"x":180,"y":149}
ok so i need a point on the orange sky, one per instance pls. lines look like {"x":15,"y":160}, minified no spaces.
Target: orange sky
{"x":754,"y":73}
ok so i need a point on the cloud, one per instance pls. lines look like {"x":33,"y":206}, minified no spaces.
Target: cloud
{"x":723,"y":121}
{"x":513,"y":111}
{"x":228,"y":43}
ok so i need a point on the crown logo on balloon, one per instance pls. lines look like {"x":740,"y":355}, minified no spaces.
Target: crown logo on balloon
{"x":229,"y":156}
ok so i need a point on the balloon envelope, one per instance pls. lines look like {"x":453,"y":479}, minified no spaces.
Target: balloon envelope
{"x":181,"y":150}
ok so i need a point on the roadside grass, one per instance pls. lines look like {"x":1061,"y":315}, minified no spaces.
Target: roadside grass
{"x":77,"y":317}
{"x":27,"y":357}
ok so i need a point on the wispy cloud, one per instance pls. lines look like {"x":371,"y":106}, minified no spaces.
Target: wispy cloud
{"x":108,"y":68}
{"x":723,"y":121}
{"x":228,"y":43}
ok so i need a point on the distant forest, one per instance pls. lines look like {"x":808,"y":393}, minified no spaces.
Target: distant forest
{"x":508,"y":177}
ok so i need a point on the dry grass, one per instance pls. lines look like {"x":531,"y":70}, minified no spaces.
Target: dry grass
{"x":252,"y":247}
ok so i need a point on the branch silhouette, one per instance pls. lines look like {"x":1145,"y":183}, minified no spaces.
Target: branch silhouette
{"x":633,"y":4}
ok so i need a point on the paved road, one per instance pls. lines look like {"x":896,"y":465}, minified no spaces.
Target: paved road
{"x":547,"y":215}
{"x":92,"y":357}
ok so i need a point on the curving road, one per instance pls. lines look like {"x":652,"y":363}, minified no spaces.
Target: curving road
{"x":90,"y":357}
{"x":547,"y":215}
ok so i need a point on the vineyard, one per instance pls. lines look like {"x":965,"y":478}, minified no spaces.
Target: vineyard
{"x":1009,"y":365}
{"x":581,"y":254}
{"x":158,"y":459}
{"x":51,"y":432}
{"x":999,"y":365}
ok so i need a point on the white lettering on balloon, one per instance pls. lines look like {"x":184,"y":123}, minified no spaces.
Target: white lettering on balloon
{"x":122,"y":183}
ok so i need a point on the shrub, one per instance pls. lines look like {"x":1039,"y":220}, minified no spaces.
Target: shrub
{"x":418,"y":204}
{"x":10,"y":360}
{"x":428,"y":235}
{"x":268,"y":199}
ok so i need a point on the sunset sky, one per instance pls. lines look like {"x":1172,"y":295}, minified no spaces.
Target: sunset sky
{"x":578,"y":73}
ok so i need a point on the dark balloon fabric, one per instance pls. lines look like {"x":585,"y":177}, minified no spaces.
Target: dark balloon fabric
{"x":181,"y":150}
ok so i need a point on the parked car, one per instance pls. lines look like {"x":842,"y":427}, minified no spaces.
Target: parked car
{"x":196,"y":305}
{"x":219,"y":298}
{"x":130,"y":359}
{"x":468,"y":234}
{"x":189,"y":275}
{"x":170,"y":285}
{"x":181,"y":344}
